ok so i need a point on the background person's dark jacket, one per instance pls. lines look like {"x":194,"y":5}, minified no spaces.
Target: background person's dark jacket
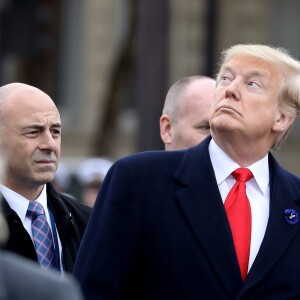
{"x":70,"y":217}
{"x":20,"y":279}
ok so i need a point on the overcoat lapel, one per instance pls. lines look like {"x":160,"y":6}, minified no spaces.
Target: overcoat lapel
{"x":279,"y":233}
{"x":202,"y":206}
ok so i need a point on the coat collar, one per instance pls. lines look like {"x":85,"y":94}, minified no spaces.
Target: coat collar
{"x":202,"y":205}
{"x":284,"y":194}
{"x":62,"y":215}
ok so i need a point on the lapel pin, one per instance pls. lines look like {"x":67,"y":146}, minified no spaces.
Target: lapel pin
{"x":291,"y":216}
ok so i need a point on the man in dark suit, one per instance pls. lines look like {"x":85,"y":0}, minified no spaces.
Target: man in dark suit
{"x":161,"y":227}
{"x":30,"y":140}
{"x":22,"y":279}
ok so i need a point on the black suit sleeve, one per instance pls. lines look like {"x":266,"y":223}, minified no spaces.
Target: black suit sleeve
{"x":106,"y":256}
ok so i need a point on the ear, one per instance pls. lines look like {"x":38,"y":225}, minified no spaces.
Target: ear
{"x":282,"y":122}
{"x":165,"y":123}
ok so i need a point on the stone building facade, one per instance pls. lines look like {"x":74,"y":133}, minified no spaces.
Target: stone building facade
{"x":98,"y":75}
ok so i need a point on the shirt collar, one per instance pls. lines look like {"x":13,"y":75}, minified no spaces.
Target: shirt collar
{"x":223,"y":166}
{"x":19,"y":203}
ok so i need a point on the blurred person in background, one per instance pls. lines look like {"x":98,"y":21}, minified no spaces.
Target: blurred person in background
{"x":184,"y":121}
{"x":91,"y":173}
{"x":30,"y":145}
{"x":22,"y":279}
{"x":62,"y":178}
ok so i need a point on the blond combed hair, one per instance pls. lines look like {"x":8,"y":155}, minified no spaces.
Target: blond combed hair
{"x":289,"y":87}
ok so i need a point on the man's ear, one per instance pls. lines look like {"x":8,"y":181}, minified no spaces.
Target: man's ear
{"x":165,"y":123}
{"x":282,"y":122}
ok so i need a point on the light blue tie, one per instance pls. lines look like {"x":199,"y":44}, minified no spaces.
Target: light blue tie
{"x":41,"y":233}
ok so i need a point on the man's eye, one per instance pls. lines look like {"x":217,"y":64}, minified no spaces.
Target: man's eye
{"x":31,"y":133}
{"x":253,"y":84}
{"x":224,"y":79}
{"x":55,"y":131}
{"x":204,"y":128}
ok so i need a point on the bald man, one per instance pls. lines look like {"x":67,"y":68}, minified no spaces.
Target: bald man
{"x":184,"y":122}
{"x":30,"y":145}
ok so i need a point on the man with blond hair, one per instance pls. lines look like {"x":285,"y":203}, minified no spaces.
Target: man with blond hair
{"x":216,"y":221}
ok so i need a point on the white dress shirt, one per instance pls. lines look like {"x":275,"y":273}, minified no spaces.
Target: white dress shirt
{"x":257,"y":189}
{"x":20,"y":205}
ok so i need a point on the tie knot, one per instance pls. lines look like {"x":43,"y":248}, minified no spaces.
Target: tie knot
{"x":242,"y":174}
{"x":34,"y":210}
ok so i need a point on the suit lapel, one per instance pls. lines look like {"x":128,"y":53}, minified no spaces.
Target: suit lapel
{"x":202,"y":206}
{"x":279,"y":233}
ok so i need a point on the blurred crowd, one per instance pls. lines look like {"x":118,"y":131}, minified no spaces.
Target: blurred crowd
{"x":83,"y":181}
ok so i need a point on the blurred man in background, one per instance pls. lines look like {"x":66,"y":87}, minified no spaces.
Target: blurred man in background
{"x":91,"y":173}
{"x":184,"y":122}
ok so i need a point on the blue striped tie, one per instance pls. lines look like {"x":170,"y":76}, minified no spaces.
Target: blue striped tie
{"x":41,"y":233}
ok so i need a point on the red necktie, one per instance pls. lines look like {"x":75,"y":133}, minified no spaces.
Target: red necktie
{"x":238,"y":211}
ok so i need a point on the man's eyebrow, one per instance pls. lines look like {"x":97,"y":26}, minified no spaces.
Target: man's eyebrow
{"x":34,"y":126}
{"x":227,"y":68}
{"x":254,"y":72}
{"x":38,"y":126}
{"x":56,"y":125}
{"x":258,"y":73}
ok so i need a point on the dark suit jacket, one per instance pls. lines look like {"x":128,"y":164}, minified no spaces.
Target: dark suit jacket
{"x":70,"y":218}
{"x":159,"y":231}
{"x":20,"y":279}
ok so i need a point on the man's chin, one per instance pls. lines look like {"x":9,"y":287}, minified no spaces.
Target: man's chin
{"x":224,"y":124}
{"x":44,"y":177}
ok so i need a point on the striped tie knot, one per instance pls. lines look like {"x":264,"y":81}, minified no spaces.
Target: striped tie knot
{"x":35,"y":209}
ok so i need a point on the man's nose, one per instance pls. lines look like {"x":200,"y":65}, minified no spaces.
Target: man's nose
{"x":233,"y":90}
{"x":48,"y":142}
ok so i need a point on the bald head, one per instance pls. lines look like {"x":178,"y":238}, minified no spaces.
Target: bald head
{"x":30,"y":138}
{"x":184,"y":122}
{"x":12,"y":88}
{"x":21,"y":94}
